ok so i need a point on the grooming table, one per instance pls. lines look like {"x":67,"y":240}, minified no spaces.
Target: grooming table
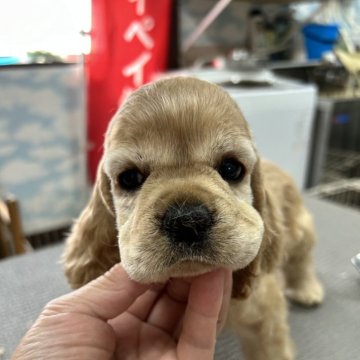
{"x":329,"y":332}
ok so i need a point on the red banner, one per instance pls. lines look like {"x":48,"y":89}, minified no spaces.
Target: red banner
{"x":129,"y":46}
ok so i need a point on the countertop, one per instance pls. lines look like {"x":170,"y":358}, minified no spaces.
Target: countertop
{"x":328,"y":332}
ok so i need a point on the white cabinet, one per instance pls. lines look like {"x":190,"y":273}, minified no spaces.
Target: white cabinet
{"x":280,"y":116}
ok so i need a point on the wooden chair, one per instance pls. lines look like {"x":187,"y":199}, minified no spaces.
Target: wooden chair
{"x":12,"y":240}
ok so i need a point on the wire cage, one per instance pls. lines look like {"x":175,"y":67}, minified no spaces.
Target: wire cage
{"x":340,"y":180}
{"x":341,"y":164}
{"x":346,"y":192}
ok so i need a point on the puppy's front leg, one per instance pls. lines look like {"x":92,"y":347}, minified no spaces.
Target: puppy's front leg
{"x":261,"y":322}
{"x":302,"y":284}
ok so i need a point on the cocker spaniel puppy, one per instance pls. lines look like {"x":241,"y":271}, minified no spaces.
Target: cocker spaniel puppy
{"x":180,"y":191}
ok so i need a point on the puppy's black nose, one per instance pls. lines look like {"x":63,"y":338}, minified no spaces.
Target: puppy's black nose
{"x":187,"y":223}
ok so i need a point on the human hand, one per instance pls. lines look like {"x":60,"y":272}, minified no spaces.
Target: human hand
{"x":114,"y":317}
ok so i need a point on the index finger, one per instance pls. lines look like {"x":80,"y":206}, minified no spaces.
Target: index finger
{"x":105,"y":297}
{"x":198,"y":336}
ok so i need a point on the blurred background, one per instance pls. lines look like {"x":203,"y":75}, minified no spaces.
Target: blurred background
{"x":66,"y":66}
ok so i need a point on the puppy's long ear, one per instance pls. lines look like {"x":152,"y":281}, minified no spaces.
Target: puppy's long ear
{"x":91,"y":249}
{"x":270,"y":249}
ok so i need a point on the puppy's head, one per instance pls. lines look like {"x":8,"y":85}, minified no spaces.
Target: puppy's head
{"x":180,"y":182}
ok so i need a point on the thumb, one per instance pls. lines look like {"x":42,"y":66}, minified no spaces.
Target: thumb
{"x":105,"y":297}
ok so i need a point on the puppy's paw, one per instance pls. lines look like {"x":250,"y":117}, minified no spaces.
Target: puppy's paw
{"x":310,"y":293}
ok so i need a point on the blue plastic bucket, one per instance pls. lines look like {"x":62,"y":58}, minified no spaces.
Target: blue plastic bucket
{"x":319,"y":39}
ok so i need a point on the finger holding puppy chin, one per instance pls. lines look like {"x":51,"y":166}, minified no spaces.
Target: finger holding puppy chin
{"x":182,"y":323}
{"x":115,"y":316}
{"x":205,"y":314}
{"x":169,"y":309}
{"x":76,"y":324}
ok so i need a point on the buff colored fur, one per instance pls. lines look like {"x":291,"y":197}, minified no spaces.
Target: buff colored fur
{"x":176,"y":131}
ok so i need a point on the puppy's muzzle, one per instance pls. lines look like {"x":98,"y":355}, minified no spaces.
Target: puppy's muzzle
{"x":187,"y":223}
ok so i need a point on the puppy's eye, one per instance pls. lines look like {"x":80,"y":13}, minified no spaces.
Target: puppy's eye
{"x":131,"y":180}
{"x":231,"y":170}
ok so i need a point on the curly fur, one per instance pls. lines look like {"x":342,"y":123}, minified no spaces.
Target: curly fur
{"x":175,"y":131}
